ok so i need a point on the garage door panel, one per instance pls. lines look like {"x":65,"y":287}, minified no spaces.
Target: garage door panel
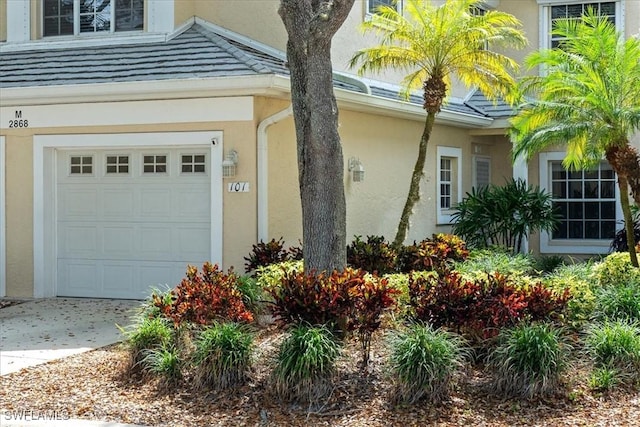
{"x":155,"y":204}
{"x":78,"y":240}
{"x":80,"y":278}
{"x":192,"y":204}
{"x":118,"y":241}
{"x":155,"y":243}
{"x":190,"y":244}
{"x":79,"y":203}
{"x":118,"y":203}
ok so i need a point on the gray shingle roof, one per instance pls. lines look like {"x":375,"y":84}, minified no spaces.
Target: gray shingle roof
{"x":500,"y":109}
{"x":198,"y":52}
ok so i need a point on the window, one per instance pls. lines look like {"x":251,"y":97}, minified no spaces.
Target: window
{"x":73,"y":17}
{"x":576,"y":11}
{"x":481,"y":171}
{"x":373,"y":5}
{"x":81,"y":165}
{"x":449,"y":185}
{"x":154,"y":163}
{"x":117,"y":165}
{"x":586,"y":202}
{"x":193,"y":163}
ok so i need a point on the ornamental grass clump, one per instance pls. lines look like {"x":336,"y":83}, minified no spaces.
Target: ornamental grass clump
{"x":423,"y":363}
{"x":616,"y":345}
{"x":146,"y":335}
{"x":222,"y":357}
{"x":165,"y":362}
{"x":305,"y":365}
{"x":528,"y":360}
{"x":621,"y":301}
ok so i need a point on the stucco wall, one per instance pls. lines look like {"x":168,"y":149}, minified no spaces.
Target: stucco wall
{"x":3,"y":20}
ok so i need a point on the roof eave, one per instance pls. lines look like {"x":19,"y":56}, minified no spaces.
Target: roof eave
{"x":256,"y":85}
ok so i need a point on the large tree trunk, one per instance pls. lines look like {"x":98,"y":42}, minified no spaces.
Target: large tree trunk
{"x":310,"y":25}
{"x":624,"y":161}
{"x":414,"y":188}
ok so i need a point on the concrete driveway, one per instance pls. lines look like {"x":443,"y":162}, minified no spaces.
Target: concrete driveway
{"x":38,"y":331}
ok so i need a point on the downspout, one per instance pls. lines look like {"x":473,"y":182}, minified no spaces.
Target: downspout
{"x":263,"y":171}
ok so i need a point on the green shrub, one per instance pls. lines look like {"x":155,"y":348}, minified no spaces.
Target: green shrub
{"x":253,"y":294}
{"x":436,"y":254}
{"x":579,"y":280}
{"x":603,"y":379}
{"x":148,"y":333}
{"x":528,"y":360}
{"x":615,"y":345}
{"x":375,"y":255}
{"x":548,"y":263}
{"x":222,"y":356}
{"x":503,"y":215}
{"x":423,"y":363}
{"x":270,"y":276}
{"x":494,"y":260}
{"x":204,"y":297}
{"x":166,"y":363}
{"x":616,"y":269}
{"x":305,"y":364}
{"x":620,"y":301}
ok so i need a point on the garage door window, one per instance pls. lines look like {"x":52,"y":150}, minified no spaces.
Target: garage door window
{"x":117,"y":165}
{"x":193,"y":163}
{"x":155,"y":163}
{"x":81,"y":165}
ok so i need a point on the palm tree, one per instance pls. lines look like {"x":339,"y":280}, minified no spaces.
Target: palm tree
{"x":436,"y":44}
{"x":589,"y":99}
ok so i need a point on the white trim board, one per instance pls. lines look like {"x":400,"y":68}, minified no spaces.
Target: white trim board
{"x":133,"y":113}
{"x":44,"y":185}
{"x":3,"y":222}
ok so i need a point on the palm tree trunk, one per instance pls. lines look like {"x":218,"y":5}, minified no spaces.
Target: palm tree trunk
{"x":628,"y":220}
{"x":414,"y":188}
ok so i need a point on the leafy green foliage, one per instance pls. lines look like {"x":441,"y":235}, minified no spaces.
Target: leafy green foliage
{"x":166,"y":363}
{"x":619,"y":242}
{"x":494,"y":260}
{"x":480,"y":309}
{"x":375,"y":255}
{"x":423,"y":363}
{"x":503,"y":215}
{"x":252,"y":293}
{"x":604,"y":379}
{"x":305,"y":364}
{"x":615,"y":346}
{"x":579,"y":280}
{"x":618,"y":302}
{"x":222,"y":356}
{"x":528,"y":360}
{"x":148,"y":333}
{"x":615,"y":269}
{"x":205,"y":297}
{"x":436,"y":254}
{"x":272,"y":252}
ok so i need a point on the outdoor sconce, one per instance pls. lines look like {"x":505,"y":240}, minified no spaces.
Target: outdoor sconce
{"x":356,"y":169}
{"x":229,"y":164}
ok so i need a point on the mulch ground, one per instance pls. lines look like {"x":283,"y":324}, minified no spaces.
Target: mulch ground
{"x":92,"y":386}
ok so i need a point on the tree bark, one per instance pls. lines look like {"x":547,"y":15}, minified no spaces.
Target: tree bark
{"x":414,"y":188}
{"x":311,"y":25}
{"x":624,"y":161}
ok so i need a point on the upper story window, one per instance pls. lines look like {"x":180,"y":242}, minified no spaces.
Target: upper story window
{"x":74,"y":17}
{"x":575,"y":10}
{"x":373,"y":5}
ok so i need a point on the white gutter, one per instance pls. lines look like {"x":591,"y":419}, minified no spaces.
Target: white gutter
{"x":263,"y":171}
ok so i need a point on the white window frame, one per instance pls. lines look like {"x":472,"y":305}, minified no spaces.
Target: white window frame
{"x":3,"y":225}
{"x":545,"y":16}
{"x":369,"y":12}
{"x":569,"y":246}
{"x":76,"y":22}
{"x":44,"y":189}
{"x":444,"y":216}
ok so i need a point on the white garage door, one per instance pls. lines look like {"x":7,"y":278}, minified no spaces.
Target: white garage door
{"x":130,"y":219}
